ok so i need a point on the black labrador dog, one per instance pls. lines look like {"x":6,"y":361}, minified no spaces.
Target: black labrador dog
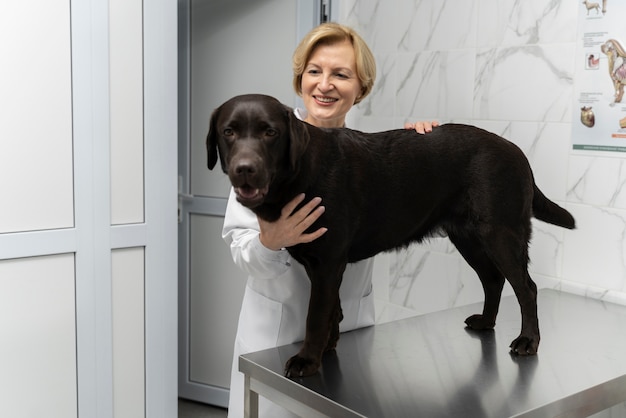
{"x":383,"y":191}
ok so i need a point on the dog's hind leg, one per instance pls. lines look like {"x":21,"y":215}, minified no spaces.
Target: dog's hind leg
{"x":490,"y":277}
{"x":508,"y":248}
{"x":526,"y":291}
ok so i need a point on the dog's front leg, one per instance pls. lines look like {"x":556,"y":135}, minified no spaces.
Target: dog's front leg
{"x":322,"y":323}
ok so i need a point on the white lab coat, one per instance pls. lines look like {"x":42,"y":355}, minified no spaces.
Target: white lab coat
{"x":276,"y":299}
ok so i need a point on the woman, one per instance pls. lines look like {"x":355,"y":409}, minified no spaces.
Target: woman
{"x":333,"y":70}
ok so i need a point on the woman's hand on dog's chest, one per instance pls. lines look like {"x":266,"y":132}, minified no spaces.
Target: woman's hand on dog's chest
{"x":289,"y":229}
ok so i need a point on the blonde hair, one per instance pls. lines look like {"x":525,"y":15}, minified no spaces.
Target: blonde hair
{"x":329,"y":34}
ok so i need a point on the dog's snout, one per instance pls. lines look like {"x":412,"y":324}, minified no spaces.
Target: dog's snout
{"x":245,"y":168}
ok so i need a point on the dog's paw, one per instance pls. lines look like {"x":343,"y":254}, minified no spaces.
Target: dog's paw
{"x":300,"y":367}
{"x":479,"y":322}
{"x":525,"y":346}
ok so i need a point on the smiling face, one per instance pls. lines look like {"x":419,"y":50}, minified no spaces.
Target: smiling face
{"x":330,"y":84}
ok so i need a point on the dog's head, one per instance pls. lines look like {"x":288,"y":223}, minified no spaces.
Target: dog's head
{"x":257,"y":138}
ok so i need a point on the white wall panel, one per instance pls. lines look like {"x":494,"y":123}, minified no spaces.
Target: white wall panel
{"x":38,"y":341}
{"x":127,"y":271}
{"x":126,"y":84}
{"x":35,"y":116}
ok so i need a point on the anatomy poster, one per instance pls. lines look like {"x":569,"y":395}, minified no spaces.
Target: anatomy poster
{"x":599,"y":120}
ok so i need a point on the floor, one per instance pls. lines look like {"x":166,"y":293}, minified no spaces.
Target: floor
{"x":191,"y":409}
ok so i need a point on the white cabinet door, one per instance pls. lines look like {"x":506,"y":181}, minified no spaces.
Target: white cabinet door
{"x":88,"y":122}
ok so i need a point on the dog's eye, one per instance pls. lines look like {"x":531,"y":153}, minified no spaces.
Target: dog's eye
{"x":271,"y":132}
{"x":228,"y":132}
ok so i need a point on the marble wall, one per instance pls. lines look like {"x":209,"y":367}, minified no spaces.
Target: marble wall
{"x":506,"y":66}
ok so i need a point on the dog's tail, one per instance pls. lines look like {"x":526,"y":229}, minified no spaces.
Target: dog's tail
{"x":546,"y":210}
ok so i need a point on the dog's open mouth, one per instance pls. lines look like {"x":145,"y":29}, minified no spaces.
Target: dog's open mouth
{"x":250,"y":196}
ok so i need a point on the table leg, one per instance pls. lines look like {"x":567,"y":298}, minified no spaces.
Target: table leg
{"x":251,"y":401}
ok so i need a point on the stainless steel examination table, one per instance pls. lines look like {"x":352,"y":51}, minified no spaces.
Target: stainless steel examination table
{"x":431,"y":366}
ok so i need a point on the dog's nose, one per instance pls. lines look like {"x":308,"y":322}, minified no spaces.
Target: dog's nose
{"x":245,"y":168}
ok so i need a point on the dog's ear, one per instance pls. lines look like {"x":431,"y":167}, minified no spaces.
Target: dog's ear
{"x":298,"y":139}
{"x":211,"y":141}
